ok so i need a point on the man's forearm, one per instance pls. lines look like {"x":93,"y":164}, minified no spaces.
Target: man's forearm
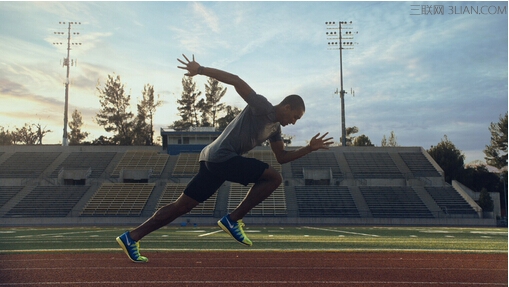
{"x":193,"y":68}
{"x":222,"y":76}
{"x":228,"y":78}
{"x":292,"y":155}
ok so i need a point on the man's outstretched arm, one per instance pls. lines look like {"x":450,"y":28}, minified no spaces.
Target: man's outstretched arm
{"x":193,"y":68}
{"x":283,"y":156}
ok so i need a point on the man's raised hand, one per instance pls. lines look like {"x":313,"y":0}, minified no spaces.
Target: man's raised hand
{"x":318,"y":142}
{"x":191,"y":66}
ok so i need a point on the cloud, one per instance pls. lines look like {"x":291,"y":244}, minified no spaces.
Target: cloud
{"x":88,"y":76}
{"x":12,"y":90}
{"x":207,"y":16}
{"x":68,"y":12}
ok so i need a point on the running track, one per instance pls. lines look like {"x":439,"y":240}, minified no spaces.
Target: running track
{"x":255,"y":269}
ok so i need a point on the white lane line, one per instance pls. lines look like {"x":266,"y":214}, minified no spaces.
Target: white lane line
{"x":341,"y":231}
{"x":210,"y":233}
{"x":63,"y":233}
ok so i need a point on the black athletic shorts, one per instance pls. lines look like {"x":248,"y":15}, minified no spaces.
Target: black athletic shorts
{"x":212,"y":175}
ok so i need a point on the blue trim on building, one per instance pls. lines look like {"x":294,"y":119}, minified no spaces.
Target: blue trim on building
{"x":175,"y":149}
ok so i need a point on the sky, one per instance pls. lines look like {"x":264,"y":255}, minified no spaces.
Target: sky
{"x":424,"y":70}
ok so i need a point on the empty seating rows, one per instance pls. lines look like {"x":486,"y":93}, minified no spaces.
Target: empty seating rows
{"x":142,"y":160}
{"x":325,"y":201}
{"x":8,"y":192}
{"x":97,"y":161}
{"x":48,"y":201}
{"x":115,"y":199}
{"x":394,"y":202}
{"x":27,"y":164}
{"x":274,"y":205}
{"x":172,"y":192}
{"x":316,"y":160}
{"x":187,"y":165}
{"x":419,"y":165}
{"x":372,"y":165}
{"x":450,"y":201}
{"x":119,"y":199}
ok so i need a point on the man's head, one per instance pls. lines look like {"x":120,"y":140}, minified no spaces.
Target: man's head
{"x":290,"y":110}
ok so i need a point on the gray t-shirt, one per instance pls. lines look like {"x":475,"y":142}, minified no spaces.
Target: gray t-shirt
{"x":254,"y":125}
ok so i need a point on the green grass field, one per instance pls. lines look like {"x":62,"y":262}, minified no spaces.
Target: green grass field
{"x":341,"y":239}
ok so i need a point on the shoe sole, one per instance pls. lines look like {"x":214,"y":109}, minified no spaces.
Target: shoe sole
{"x":225,"y":229}
{"x":119,"y":241}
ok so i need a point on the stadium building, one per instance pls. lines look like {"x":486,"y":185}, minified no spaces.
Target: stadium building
{"x":124,"y":185}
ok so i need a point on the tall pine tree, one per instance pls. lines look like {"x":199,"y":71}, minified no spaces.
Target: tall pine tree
{"x":114,"y":114}
{"x":188,"y":103}
{"x":496,"y":152}
{"x":76,"y":135}
{"x":144,"y":126}
{"x":211,"y":106}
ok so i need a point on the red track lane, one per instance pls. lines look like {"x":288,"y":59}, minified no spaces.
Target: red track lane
{"x":255,"y":269}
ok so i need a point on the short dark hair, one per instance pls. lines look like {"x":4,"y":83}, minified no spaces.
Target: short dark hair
{"x":295,"y":102}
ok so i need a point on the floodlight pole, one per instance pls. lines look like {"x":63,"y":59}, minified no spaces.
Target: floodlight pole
{"x":342,"y":91}
{"x":333,"y":35}
{"x":67,"y":62}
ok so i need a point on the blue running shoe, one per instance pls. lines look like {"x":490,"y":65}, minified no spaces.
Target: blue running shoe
{"x":131,"y":248}
{"x":235,"y":229}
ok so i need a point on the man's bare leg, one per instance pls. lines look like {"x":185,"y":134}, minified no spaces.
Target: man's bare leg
{"x":268,"y":182}
{"x":164,"y":216}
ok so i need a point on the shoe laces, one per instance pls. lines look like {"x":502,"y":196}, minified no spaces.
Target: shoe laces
{"x":135,"y":248}
{"x":239,"y":230}
{"x":240,"y":223}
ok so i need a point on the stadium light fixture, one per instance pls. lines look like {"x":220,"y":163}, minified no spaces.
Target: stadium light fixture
{"x":67,"y":63}
{"x":335,"y":33}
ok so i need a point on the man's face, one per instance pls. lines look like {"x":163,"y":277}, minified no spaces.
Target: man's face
{"x":291,"y":116}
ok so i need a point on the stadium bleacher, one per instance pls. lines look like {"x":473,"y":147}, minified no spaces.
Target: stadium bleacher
{"x":274,"y":205}
{"x":26,"y":164}
{"x":118,"y":199}
{"x":342,"y":184}
{"x":187,"y":165}
{"x":419,"y":165}
{"x":8,"y":192}
{"x":372,"y":165}
{"x":317,"y":160}
{"x":325,"y":201}
{"x":394,"y":202}
{"x":450,"y":201}
{"x":142,"y":160}
{"x":48,"y":201}
{"x":97,"y":161}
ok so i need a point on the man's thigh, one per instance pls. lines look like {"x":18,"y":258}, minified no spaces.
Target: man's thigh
{"x":243,"y":170}
{"x":203,"y":185}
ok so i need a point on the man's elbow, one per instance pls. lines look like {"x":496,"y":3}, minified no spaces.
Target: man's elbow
{"x":282,"y":160}
{"x":235,"y":80}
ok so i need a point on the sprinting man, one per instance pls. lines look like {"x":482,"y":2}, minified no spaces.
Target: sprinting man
{"x":222,"y":160}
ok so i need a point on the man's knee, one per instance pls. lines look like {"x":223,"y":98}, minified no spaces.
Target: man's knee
{"x":273,"y":176}
{"x":181,"y":206}
{"x":185,"y":204}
